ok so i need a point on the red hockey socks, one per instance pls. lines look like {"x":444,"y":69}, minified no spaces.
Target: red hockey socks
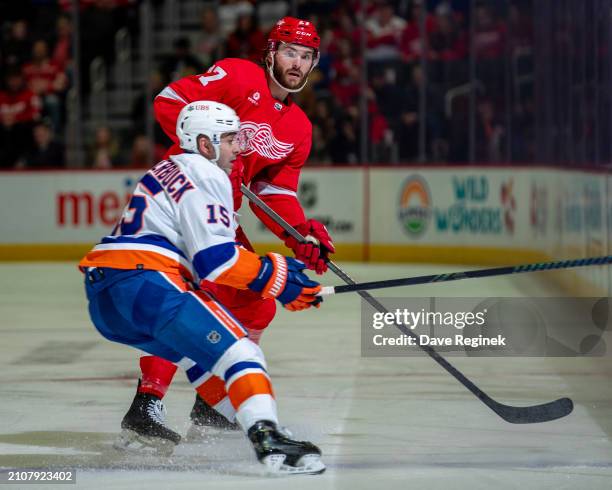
{"x":157,"y":374}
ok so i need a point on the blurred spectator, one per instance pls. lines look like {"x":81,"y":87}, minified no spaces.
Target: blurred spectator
{"x":489,"y":34}
{"x":342,"y":29}
{"x":345,"y":75}
{"x":412,"y":42}
{"x":104,"y":153}
{"x":408,"y":129}
{"x":489,"y":133}
{"x":344,"y":147}
{"x":384,"y":32}
{"x":19,"y":109}
{"x":247,"y":41}
{"x":268,"y":12}
{"x":389,"y":94}
{"x":448,"y":39}
{"x":319,"y":151}
{"x":448,"y":49}
{"x":489,"y":49}
{"x":229,"y":11}
{"x":520,"y":26}
{"x":45,"y":152}
{"x":322,"y":117}
{"x":381,"y":136}
{"x":182,"y":63}
{"x":17,"y":47}
{"x":144,"y":154}
{"x":47,"y":80}
{"x":208,"y":42}
{"x":62,"y":55}
{"x":523,"y":131}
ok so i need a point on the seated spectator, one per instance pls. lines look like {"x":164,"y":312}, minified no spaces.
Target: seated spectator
{"x":62,"y":54}
{"x":345,"y":75}
{"x":104,"y":153}
{"x":447,"y":41}
{"x":182,"y":63}
{"x":384,"y":33}
{"x":412,"y":41}
{"x":247,"y":41}
{"x":47,"y":80}
{"x":209,"y":41}
{"x":45,"y":152}
{"x":448,"y":46}
{"x":17,"y":47}
{"x":489,"y":34}
{"x":380,"y":134}
{"x":19,"y":109}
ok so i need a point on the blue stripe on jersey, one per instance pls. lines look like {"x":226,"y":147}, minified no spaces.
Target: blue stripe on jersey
{"x":194,"y":372}
{"x":151,"y":184}
{"x":158,"y":240}
{"x":241,"y":366}
{"x":207,"y":260}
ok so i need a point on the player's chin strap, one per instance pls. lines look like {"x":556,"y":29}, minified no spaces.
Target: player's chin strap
{"x":291,"y":90}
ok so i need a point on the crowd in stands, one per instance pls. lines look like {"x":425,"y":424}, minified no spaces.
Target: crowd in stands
{"x":417,"y":54}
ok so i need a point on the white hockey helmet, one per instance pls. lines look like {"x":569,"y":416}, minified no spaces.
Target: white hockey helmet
{"x":208,"y":118}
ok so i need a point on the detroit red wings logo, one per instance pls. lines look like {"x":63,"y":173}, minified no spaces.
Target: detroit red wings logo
{"x":259,"y":138}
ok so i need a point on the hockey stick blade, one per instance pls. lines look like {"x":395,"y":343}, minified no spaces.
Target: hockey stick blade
{"x":534,"y":414}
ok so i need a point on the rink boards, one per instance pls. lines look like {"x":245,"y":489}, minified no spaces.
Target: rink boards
{"x":436,"y":214}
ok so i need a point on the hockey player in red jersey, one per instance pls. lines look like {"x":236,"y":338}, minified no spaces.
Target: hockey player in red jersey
{"x":277,"y":139}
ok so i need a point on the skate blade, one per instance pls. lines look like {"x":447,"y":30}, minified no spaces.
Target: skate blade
{"x":133,"y":442}
{"x":202,"y":433}
{"x":309,"y":464}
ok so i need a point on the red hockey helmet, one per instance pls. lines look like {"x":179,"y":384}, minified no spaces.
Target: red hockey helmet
{"x":297,"y":31}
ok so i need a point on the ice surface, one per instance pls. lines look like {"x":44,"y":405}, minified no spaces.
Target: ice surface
{"x":381,"y":423}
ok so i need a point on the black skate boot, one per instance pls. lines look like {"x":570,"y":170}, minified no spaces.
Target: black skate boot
{"x":204,"y":418}
{"x":144,"y":427}
{"x":282,"y":455}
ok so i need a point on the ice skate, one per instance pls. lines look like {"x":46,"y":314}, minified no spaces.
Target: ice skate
{"x":144,"y":428}
{"x":281,"y":455}
{"x":206,"y":420}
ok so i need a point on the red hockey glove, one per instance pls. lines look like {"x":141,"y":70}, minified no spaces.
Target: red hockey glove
{"x":315,"y":251}
{"x":282,"y":278}
{"x":236,"y":179}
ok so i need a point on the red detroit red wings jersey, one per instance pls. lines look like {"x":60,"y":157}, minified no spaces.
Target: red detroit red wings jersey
{"x":278,"y":136}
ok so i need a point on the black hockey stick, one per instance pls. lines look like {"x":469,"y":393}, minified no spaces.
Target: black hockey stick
{"x":515,"y":415}
{"x":455,"y":276}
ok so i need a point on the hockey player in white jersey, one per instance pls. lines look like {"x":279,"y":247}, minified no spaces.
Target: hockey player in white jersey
{"x":177,"y":230}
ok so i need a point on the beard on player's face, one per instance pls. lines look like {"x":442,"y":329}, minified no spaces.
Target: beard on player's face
{"x":289,"y":77}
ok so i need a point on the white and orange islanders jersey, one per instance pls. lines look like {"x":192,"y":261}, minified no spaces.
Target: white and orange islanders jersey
{"x":179,"y":220}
